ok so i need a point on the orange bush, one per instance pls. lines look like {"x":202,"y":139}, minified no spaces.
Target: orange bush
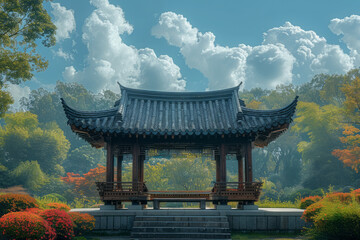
{"x":342,"y":197}
{"x":86,"y":185}
{"x":13,"y":202}
{"x":311,"y":211}
{"x":350,"y":156}
{"x":25,"y":225}
{"x":60,"y":206}
{"x":61,"y":222}
{"x":305,"y":202}
{"x":356,"y":191}
{"x":83,"y":222}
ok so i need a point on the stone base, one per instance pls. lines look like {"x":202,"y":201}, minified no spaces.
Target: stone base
{"x":107,"y":207}
{"x":264,"y":219}
{"x":222,"y":207}
{"x":136,"y":207}
{"x":248,"y":207}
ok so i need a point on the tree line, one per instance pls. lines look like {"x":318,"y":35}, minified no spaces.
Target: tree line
{"x":321,"y":148}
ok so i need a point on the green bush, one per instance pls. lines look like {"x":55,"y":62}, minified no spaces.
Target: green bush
{"x":56,"y":197}
{"x":337,"y":221}
{"x":269,"y":203}
{"x":305,"y":202}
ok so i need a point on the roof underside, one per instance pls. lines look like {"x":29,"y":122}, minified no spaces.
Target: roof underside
{"x":179,"y":113}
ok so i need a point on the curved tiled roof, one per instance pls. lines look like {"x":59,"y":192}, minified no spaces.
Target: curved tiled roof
{"x":179,"y":113}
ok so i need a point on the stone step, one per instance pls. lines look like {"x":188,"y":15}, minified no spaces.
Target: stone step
{"x":190,"y":235}
{"x":180,"y":224}
{"x":183,"y":218}
{"x":181,"y":229}
{"x":182,"y":212}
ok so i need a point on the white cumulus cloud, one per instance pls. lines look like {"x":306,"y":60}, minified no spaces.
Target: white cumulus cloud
{"x":110,"y":60}
{"x":61,"y":53}
{"x":349,"y":28}
{"x":312,"y":53}
{"x":175,"y":29}
{"x":64,"y":21}
{"x":268,"y":66}
{"x":287,"y":55}
{"x":17,"y":92}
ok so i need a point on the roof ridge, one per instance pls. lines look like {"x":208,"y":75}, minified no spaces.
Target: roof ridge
{"x":166,"y":93}
{"x":85,"y":113}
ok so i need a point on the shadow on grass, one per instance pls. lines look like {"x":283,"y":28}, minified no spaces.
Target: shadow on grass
{"x":267,"y":235}
{"x":105,"y":236}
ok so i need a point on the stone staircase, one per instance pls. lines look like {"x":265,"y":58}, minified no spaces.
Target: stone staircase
{"x":181,"y":225}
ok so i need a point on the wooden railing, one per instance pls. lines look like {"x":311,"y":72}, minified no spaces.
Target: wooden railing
{"x":126,"y":187}
{"x":229,"y":191}
{"x":238,"y":191}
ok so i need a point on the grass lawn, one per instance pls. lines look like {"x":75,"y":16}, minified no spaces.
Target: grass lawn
{"x":266,"y":235}
{"x":234,"y":235}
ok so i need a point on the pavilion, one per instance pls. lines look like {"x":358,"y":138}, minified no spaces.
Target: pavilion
{"x":141,"y":120}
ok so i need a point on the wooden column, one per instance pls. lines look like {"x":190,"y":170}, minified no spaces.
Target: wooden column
{"x":248,"y":163}
{"x":141,"y":168}
{"x":239,"y":157}
{"x":222,"y":163}
{"x":135,"y":167}
{"x":109,"y":163}
{"x":119,"y":159}
{"x":119,"y":168}
{"x":217,"y":162}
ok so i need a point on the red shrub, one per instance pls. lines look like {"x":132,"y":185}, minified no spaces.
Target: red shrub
{"x":37,"y":211}
{"x":83,"y":222}
{"x":305,"y":202}
{"x":59,"y":206}
{"x":311,"y":211}
{"x":25,"y":225}
{"x":60,"y":221}
{"x":12,"y":202}
{"x":342,"y":197}
{"x":356,"y":191}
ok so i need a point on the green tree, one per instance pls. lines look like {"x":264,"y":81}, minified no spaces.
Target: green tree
{"x":82,"y":159}
{"x":47,"y":106}
{"x":322,"y":127}
{"x":352,"y":100}
{"x":155,"y":176}
{"x":189,"y":173}
{"x":22,"y":139}
{"x":280,"y":162}
{"x":22,"y":24}
{"x":29,"y":175}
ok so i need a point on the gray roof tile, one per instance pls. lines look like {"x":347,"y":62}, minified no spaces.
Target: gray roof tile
{"x":154,"y":112}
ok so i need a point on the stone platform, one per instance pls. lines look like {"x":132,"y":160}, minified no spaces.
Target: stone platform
{"x":263,"y":219}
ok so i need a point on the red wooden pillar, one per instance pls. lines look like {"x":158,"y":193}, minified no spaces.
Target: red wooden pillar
{"x":109,"y":163}
{"x":248,"y":162}
{"x":119,"y":168}
{"x":119,"y":177}
{"x":239,"y":157}
{"x":223,"y":163}
{"x":217,"y":162}
{"x":141,"y":168}
{"x":135,"y":166}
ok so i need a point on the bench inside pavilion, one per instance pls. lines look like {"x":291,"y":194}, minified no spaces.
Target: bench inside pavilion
{"x":142,"y":120}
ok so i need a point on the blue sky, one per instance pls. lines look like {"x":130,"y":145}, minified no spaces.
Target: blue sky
{"x":197,"y":45}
